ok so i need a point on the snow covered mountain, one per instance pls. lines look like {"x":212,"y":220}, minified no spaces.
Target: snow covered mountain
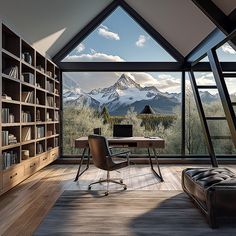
{"x":122,"y":95}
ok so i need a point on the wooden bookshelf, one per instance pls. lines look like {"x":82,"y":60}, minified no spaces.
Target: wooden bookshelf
{"x":30,"y":105}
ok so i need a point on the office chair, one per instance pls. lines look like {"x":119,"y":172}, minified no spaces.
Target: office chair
{"x":103,"y":159}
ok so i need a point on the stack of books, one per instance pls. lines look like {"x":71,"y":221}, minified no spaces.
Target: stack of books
{"x":7,"y":117}
{"x":40,"y":132}
{"x":7,"y":138}
{"x":4,"y":96}
{"x":12,"y":71}
{"x":50,"y":101}
{"x":27,"y":96}
{"x":9,"y":158}
{"x":28,"y":77}
{"x":26,"y":116}
{"x":49,"y":86}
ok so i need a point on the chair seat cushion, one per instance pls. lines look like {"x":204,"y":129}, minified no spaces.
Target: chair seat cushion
{"x":118,"y":165}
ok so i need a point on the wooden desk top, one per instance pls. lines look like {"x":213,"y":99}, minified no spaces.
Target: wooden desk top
{"x":137,"y":142}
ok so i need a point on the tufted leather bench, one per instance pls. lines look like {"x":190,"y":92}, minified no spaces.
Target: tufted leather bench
{"x":213,"y":191}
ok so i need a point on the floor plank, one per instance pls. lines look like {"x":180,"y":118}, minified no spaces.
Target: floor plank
{"x":24,"y":207}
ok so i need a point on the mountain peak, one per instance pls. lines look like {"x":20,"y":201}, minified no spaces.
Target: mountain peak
{"x":125,"y":82}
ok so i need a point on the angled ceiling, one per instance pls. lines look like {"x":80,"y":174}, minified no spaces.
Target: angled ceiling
{"x":49,"y":25}
{"x":227,"y":6}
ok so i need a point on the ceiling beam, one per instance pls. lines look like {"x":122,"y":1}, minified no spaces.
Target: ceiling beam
{"x":138,"y":66}
{"x":74,"y":42}
{"x":218,"y":17}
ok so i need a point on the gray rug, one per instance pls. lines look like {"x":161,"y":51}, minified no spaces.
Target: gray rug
{"x":127,"y":213}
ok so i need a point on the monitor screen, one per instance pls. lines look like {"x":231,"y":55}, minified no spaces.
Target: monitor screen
{"x":122,"y":130}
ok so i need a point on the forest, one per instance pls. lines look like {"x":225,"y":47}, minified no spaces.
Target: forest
{"x":80,"y":121}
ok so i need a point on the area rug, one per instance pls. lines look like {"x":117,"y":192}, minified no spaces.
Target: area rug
{"x":127,"y":213}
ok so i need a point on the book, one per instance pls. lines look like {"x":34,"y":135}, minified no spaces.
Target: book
{"x":9,"y":158}
{"x":26,"y":134}
{"x":28,"y":77}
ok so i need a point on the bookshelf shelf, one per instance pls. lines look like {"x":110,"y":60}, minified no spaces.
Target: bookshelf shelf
{"x":30,"y":85}
{"x":11,"y":146}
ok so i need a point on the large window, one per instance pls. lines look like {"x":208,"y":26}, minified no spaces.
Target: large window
{"x":212,"y":105}
{"x":101,"y":99}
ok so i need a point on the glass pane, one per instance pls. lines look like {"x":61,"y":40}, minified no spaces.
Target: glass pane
{"x":204,"y":78}
{"x":227,"y":52}
{"x":231,"y":86}
{"x":112,"y":42}
{"x":195,"y":140}
{"x":101,"y":99}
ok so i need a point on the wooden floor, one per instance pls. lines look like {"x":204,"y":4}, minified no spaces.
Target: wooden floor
{"x":23,"y":208}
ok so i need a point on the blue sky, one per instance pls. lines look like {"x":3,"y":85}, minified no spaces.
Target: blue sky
{"x":119,"y":35}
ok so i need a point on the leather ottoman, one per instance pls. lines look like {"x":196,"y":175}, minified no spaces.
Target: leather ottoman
{"x":213,"y":190}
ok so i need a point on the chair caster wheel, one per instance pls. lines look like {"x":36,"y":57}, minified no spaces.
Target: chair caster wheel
{"x":89,"y":187}
{"x":125,"y":188}
{"x":106,"y":193}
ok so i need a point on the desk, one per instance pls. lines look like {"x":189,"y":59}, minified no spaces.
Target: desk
{"x":134,"y":142}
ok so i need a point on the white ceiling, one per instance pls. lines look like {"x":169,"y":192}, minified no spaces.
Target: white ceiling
{"x":49,"y":24}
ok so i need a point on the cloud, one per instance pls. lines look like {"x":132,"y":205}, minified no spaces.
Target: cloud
{"x":163,"y":82}
{"x":141,"y":41}
{"x":92,"y":80}
{"x":94,"y":57}
{"x":228,"y":49}
{"x":104,"y":31}
{"x":80,"y":48}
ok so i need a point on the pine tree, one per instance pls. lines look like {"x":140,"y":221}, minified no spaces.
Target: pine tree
{"x":105,"y":115}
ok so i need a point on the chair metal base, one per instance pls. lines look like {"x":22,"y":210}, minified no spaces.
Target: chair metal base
{"x":109,"y":180}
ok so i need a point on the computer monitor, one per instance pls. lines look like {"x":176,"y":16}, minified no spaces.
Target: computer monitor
{"x":122,"y":130}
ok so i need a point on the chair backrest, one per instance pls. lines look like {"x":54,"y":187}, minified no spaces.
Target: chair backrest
{"x":99,"y":150}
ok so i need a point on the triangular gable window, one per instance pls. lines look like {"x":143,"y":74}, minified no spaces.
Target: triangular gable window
{"x":119,"y":39}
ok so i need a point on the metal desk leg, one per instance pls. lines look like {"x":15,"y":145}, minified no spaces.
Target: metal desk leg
{"x":81,"y":163}
{"x":152,"y":168}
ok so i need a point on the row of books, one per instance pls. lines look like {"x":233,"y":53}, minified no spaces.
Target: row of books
{"x":7,"y":117}
{"x":49,"y":86}
{"x":9,"y":158}
{"x":27,"y":96}
{"x":50,"y":101}
{"x":40,"y":132}
{"x":8,"y":138}
{"x":26,"y":116}
{"x":12,"y":71}
{"x":28,"y":77}
{"x":39,"y":148}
